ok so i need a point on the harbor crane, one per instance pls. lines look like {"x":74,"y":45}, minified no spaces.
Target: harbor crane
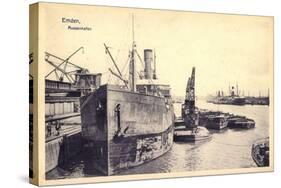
{"x":189,"y":110}
{"x":62,"y":66}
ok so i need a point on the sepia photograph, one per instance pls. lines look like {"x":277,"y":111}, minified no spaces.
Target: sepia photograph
{"x":132,"y":91}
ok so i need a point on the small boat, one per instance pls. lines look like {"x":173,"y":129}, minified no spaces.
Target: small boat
{"x":183,"y":134}
{"x":217,"y":122}
{"x":241,"y":123}
{"x":260,"y":152}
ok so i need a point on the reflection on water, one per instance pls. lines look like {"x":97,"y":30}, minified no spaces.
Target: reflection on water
{"x":229,"y":148}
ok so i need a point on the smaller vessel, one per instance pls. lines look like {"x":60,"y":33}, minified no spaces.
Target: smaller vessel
{"x":260,"y":152}
{"x":187,"y":128}
{"x":240,"y":123}
{"x":183,"y":134}
{"x":217,"y":122}
{"x":204,"y":116}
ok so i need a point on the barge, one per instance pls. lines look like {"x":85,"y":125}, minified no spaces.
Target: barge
{"x":217,"y":122}
{"x":240,"y":123}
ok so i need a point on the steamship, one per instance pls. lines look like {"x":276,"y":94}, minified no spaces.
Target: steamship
{"x":130,"y":124}
{"x":232,"y":99}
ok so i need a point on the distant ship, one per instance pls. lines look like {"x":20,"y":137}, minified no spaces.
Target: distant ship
{"x":130,"y":124}
{"x":260,"y":100}
{"x":233,"y":98}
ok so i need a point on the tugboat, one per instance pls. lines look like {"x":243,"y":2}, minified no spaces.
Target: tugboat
{"x":188,"y":129}
{"x":260,"y":152}
{"x":130,"y":124}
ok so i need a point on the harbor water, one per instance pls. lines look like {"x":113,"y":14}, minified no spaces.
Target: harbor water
{"x":228,"y":149}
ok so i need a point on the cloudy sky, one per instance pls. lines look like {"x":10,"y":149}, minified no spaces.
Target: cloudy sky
{"x":225,"y":49}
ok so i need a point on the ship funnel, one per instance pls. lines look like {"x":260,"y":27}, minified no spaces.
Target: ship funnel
{"x":148,"y":59}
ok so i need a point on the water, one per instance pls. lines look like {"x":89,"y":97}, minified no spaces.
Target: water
{"x":227,"y":149}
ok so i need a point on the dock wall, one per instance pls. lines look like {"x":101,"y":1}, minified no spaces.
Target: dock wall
{"x":60,"y":149}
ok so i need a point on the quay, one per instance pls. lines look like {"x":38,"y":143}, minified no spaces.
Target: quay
{"x":63,"y":130}
{"x":59,"y":148}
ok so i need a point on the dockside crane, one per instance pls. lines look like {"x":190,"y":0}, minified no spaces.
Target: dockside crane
{"x":62,"y":66}
{"x":189,"y":110}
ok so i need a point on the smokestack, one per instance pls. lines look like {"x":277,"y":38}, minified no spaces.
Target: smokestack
{"x":148,"y":58}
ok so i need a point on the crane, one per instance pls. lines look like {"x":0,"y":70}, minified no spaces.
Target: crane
{"x":190,"y":113}
{"x":62,"y":66}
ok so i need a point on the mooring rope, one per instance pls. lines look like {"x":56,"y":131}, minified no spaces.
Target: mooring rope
{"x":237,"y":145}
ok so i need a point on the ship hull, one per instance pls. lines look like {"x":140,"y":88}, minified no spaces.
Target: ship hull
{"x":125,"y":129}
{"x":229,"y":100}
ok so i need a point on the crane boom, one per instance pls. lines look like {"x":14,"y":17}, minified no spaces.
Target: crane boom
{"x":66,"y":61}
{"x":119,"y":72}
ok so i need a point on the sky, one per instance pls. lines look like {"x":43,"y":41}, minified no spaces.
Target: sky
{"x":225,"y":49}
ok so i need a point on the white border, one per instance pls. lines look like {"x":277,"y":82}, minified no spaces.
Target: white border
{"x":14,"y":91}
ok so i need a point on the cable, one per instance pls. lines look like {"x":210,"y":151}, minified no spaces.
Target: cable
{"x":228,"y":144}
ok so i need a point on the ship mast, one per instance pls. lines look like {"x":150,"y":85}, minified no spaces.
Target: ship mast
{"x":119,"y":75}
{"x":132,"y":71}
{"x":237,"y":91}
